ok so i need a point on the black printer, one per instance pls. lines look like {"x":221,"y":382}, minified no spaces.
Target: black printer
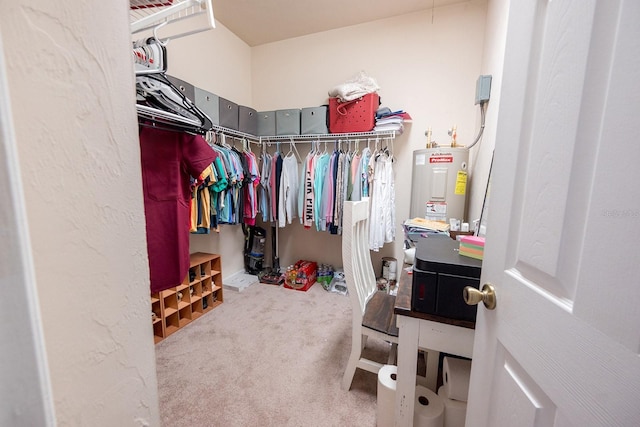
{"x":440,"y":274}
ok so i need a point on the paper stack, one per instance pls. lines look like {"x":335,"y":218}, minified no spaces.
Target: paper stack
{"x":387,"y":120}
{"x":472,"y":246}
{"x":420,"y":227}
{"x":426,"y":224}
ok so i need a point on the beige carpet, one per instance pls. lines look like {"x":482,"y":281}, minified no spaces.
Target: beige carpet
{"x":268,"y":356}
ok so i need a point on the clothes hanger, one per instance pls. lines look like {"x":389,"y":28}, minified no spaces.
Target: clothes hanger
{"x":223,"y":141}
{"x":160,"y":96}
{"x":155,"y":33}
{"x":159,"y":100}
{"x":155,"y":115}
{"x":149,"y":56}
{"x":292,"y":146}
{"x":244,"y":144}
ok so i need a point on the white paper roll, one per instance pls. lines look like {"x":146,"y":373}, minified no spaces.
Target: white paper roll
{"x":428,"y":408}
{"x":455,"y":411}
{"x":385,"y":408}
{"x":455,"y":377}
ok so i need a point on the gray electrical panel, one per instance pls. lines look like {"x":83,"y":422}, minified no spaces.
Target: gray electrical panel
{"x":483,"y":89}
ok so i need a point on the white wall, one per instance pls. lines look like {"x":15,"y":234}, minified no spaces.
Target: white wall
{"x":72,"y":96}
{"x":492,"y":62}
{"x":425,"y":64}
{"x":215,"y":60}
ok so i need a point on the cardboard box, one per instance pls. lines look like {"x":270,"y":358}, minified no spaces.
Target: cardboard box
{"x":301,"y":276}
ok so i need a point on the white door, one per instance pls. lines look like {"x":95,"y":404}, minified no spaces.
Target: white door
{"x":563,"y":239}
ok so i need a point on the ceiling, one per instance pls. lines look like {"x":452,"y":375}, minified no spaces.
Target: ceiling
{"x":258,"y":22}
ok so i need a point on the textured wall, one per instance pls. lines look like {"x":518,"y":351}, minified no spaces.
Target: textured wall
{"x":71,"y":90}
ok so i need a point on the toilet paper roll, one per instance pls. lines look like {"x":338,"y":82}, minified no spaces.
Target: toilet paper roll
{"x":455,"y":377}
{"x":385,"y":408}
{"x":428,"y":408}
{"x":455,"y":411}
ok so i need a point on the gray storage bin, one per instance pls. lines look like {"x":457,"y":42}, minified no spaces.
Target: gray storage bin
{"x":247,"y":120}
{"x":228,"y":114}
{"x":186,"y":88}
{"x":288,"y":122}
{"x":313,"y":121}
{"x":209,"y":103}
{"x":266,"y":123}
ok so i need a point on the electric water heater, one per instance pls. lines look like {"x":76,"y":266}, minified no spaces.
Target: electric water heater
{"x":439,"y":183}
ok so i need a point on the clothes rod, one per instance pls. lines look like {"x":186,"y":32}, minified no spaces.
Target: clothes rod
{"x":303,"y":138}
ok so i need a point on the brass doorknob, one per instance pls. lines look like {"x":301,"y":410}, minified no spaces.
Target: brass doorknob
{"x":472,"y":296}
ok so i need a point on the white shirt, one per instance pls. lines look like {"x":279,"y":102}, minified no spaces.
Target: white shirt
{"x":288,"y":202}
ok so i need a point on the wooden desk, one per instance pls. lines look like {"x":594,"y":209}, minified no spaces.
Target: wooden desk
{"x":420,"y":330}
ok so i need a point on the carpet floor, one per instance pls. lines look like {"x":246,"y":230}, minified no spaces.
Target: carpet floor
{"x":268,"y":356}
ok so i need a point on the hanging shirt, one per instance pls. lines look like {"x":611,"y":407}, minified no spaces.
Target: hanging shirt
{"x":346,"y":171}
{"x":277,"y":181}
{"x":288,"y":203}
{"x":364,"y":171}
{"x":337,"y":206}
{"x":301,"y":189}
{"x":250,"y":189}
{"x":330,"y":211}
{"x":322,"y":163}
{"x":356,"y":193}
{"x":382,"y":214}
{"x":265,"y":176}
{"x":168,"y":161}
{"x":272,"y":187}
{"x":308,"y":207}
{"x":200,"y":202}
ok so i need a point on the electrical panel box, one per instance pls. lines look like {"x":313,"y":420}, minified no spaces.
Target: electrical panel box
{"x":439,"y":183}
{"x":483,"y":89}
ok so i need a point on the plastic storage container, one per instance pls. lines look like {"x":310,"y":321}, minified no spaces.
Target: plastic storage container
{"x":358,"y":115}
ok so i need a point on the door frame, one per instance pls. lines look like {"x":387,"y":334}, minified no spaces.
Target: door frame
{"x":25,"y":386}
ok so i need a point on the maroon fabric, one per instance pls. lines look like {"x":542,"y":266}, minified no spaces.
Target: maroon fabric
{"x":169,"y":159}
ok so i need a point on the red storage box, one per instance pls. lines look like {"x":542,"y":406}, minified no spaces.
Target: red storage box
{"x":301,"y":276}
{"x":358,"y":115}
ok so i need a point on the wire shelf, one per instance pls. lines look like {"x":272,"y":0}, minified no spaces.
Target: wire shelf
{"x":148,"y":14}
{"x":304,"y":138}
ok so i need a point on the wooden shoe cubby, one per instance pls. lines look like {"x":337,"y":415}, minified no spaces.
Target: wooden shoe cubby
{"x":200,"y":292}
